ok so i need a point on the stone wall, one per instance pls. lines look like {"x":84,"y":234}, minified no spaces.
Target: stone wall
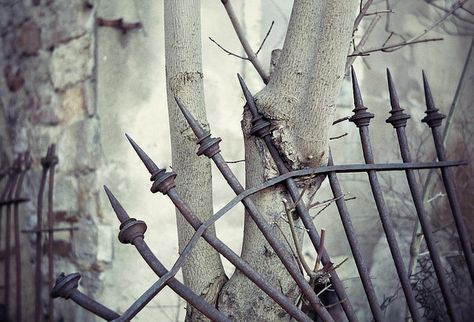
{"x":48,"y":95}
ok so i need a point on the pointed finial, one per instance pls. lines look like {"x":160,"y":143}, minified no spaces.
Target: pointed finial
{"x":208,"y":145}
{"x":428,"y":97}
{"x":193,"y":123}
{"x":118,"y":209}
{"x":399,"y":117}
{"x":260,"y":126}
{"x":358,"y":103}
{"x":248,"y":97}
{"x":147,"y":161}
{"x":361,"y":117}
{"x":433,"y":117}
{"x":392,"y":92}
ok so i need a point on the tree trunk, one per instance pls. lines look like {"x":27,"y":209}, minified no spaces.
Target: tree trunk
{"x":299,"y":101}
{"x":203,"y":272}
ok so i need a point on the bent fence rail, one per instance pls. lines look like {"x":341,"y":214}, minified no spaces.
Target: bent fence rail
{"x":132,"y":230}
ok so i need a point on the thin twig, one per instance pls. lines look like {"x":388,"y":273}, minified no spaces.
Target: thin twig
{"x":454,"y":7}
{"x":379,"y":12}
{"x":252,"y":57}
{"x":265,"y":38}
{"x":397,"y":46}
{"x":362,"y":42}
{"x":342,"y":119}
{"x":235,"y":161}
{"x":291,"y":248}
{"x":295,"y":239}
{"x":227,"y":51}
{"x":362,"y":11}
{"x":320,"y":250}
{"x":339,"y":136}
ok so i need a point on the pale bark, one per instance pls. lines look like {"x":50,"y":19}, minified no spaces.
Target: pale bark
{"x":203,"y":272}
{"x":299,"y":101}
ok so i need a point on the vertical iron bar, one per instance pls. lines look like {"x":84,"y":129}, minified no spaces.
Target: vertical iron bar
{"x":8,"y":224}
{"x":399,"y":121}
{"x":353,"y":243}
{"x":164,"y":182}
{"x":361,"y":118}
{"x":25,"y":165}
{"x":434,"y":119}
{"x":209,"y":146}
{"x":4,"y":195}
{"x":66,"y":287}
{"x":53,"y":161}
{"x":261,"y":128}
{"x":39,"y":224}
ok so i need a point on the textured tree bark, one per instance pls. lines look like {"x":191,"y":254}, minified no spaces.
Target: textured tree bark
{"x":299,"y":101}
{"x":203,"y":272}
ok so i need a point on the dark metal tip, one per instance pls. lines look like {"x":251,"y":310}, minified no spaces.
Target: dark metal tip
{"x":394,"y":101}
{"x":193,"y":123}
{"x":356,"y":90}
{"x":428,"y":97}
{"x":248,"y":97}
{"x":147,"y":161}
{"x":118,"y":209}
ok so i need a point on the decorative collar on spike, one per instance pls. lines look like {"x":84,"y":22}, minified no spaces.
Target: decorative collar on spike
{"x":208,"y":145}
{"x":361,"y":117}
{"x":433,"y":117}
{"x":65,"y":285}
{"x":260,"y":126}
{"x":51,"y":159}
{"x":399,"y":117}
{"x":131,"y":229}
{"x":162,"y":181}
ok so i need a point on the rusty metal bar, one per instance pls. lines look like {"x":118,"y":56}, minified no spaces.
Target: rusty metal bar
{"x":39,"y":222}
{"x":8,"y":224}
{"x":4,"y":194}
{"x":132,"y":232}
{"x":66,"y":287}
{"x":14,"y":201}
{"x":24,"y":167}
{"x":434,"y":119}
{"x":398,"y":119}
{"x":261,"y":128}
{"x":209,"y":146}
{"x":164,"y":182}
{"x":361,"y":118}
{"x":353,"y":243}
{"x":53,"y":161}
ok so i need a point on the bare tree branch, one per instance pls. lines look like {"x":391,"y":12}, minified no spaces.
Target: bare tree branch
{"x":251,"y":55}
{"x":397,"y":46}
{"x":265,"y":38}
{"x":227,"y":51}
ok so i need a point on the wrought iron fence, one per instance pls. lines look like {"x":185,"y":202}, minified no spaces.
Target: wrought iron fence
{"x":132,"y":230}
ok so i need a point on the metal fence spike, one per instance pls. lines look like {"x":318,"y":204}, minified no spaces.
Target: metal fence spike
{"x":117,"y":207}
{"x":66,"y":287}
{"x":433,"y":117}
{"x":260,"y":126}
{"x":361,"y":117}
{"x":193,"y":123}
{"x":208,"y":145}
{"x":147,"y":161}
{"x":399,"y":117}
